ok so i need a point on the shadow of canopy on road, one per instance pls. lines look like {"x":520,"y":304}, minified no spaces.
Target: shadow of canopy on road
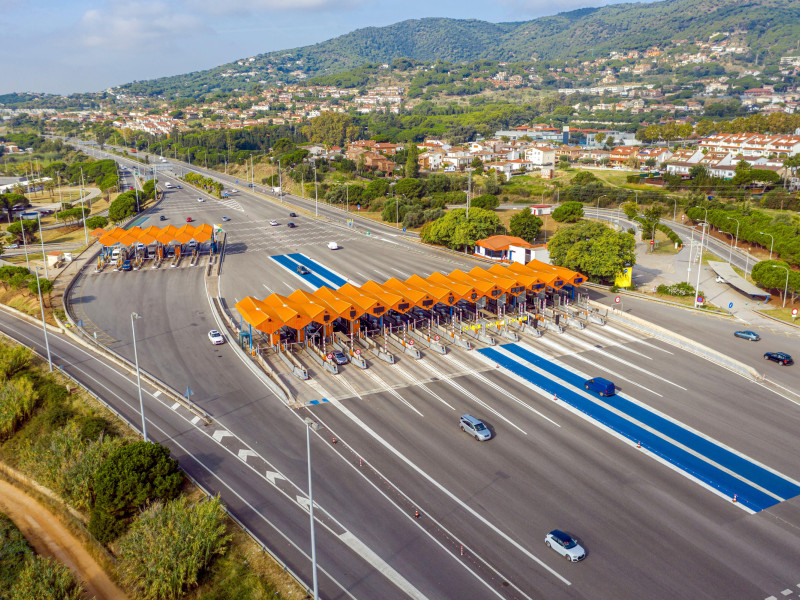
{"x":731,"y":277}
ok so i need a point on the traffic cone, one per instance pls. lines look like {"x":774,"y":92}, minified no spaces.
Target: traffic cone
{"x":735,"y":498}
{"x":416,"y":513}
{"x":334,"y":440}
{"x":638,"y":444}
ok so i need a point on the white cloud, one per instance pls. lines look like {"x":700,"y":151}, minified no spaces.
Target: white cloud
{"x":123,"y":25}
{"x":248,"y":7}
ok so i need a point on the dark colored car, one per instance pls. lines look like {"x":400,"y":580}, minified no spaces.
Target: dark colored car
{"x":779,"y":357}
{"x":747,"y":335}
{"x":303,"y":270}
{"x":126,"y":266}
{"x":292,"y":215}
{"x":601,"y":386}
{"x":290,"y":225}
{"x":162,"y":218}
{"x":340,"y":358}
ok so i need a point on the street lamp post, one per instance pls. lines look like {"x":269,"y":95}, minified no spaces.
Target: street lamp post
{"x":699,"y":266}
{"x":309,"y":424}
{"x":730,"y":246}
{"x":138,"y":376}
{"x":316,"y":196}
{"x":772,"y":243}
{"x":44,"y":325}
{"x":785,"y":287}
{"x":24,"y":242}
{"x":41,"y":239}
{"x":737,"y":230}
{"x":280,"y":182}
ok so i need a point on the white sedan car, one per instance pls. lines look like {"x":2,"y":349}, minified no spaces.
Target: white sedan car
{"x":273,"y":223}
{"x":215,"y":337}
{"x":565,"y":545}
{"x":201,"y":199}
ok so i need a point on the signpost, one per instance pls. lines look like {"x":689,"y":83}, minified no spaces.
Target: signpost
{"x":410,"y":342}
{"x":330,"y":356}
{"x":436,"y":337}
{"x":616,"y":300}
{"x":699,"y":299}
{"x":794,"y":314}
{"x":357,"y":351}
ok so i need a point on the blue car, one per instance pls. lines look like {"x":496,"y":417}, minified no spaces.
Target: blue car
{"x":126,"y":266}
{"x":747,"y":335}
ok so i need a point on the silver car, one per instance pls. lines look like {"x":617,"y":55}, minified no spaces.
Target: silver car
{"x":475,"y":427}
{"x":565,"y":545}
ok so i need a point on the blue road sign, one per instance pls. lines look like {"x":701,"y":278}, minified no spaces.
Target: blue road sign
{"x":730,"y":304}
{"x":188,"y":392}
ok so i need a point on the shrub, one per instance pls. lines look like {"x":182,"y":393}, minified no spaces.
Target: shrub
{"x":17,"y":401}
{"x":45,"y":579}
{"x":45,"y":284}
{"x":169,"y":545}
{"x":19,"y":280}
{"x":7,"y":272}
{"x":14,"y":553}
{"x":681,"y":289}
{"x":93,"y":427}
{"x":51,"y":393}
{"x":486,"y":202}
{"x":568,"y":212}
{"x":14,"y":360}
{"x":128,"y":479}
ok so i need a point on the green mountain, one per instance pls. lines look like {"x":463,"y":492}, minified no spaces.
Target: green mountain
{"x":769,"y":28}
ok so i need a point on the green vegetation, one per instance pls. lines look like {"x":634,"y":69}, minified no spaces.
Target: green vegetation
{"x":681,"y":290}
{"x":525,"y":225}
{"x":771,"y":275}
{"x":593,"y":249}
{"x":169,"y":545}
{"x":14,"y":553}
{"x":454,"y":230}
{"x":568,"y":212}
{"x":130,"y":478}
{"x":46,"y":579}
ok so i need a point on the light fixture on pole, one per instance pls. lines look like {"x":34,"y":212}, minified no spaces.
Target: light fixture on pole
{"x":138,"y":376}
{"x":772,"y":243}
{"x":316,"y":198}
{"x":44,"y":324}
{"x":699,"y":266}
{"x":309,"y":424}
{"x":730,"y":246}
{"x":737,"y":230}
{"x":785,"y":287}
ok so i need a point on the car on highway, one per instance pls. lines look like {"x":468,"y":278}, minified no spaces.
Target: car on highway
{"x":225,"y":219}
{"x":291,"y":225}
{"x":747,"y":335}
{"x":126,"y":266}
{"x":215,"y":337}
{"x":601,"y":386}
{"x":719,"y":279}
{"x":188,"y":219}
{"x":303,"y":270}
{"x":293,"y":215}
{"x":274,"y":223}
{"x":12,"y":246}
{"x":333,"y":246}
{"x":566,"y":545}
{"x":475,"y":427}
{"x":779,"y":357}
{"x":201,"y":200}
{"x":179,"y":186}
{"x":340,"y":358}
{"x":162,"y":218}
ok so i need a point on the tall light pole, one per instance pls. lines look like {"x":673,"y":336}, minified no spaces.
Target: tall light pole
{"x":41,"y":239}
{"x":44,"y":325}
{"x":280,"y":182}
{"x":730,"y":246}
{"x":316,"y":197}
{"x":785,"y":287}
{"x":309,"y":424}
{"x":737,"y":230}
{"x":24,"y":242}
{"x":138,"y":376}
{"x":699,"y":266}
{"x":772,"y":243}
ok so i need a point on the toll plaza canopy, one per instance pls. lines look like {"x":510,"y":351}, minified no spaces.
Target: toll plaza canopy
{"x":350,"y":302}
{"x":163,"y":235}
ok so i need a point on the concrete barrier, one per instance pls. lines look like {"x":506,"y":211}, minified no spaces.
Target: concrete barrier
{"x":407,"y":348}
{"x":455,"y":338}
{"x":294,"y":365}
{"x":682,"y":342}
{"x":427,"y":342}
{"x":480,"y":336}
{"x":322,"y":361}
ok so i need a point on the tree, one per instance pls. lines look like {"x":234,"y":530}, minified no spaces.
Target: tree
{"x":30,"y":228}
{"x":122,"y":207}
{"x":486,"y":201}
{"x":568,"y":212}
{"x":593,"y":249}
{"x":526,"y":225}
{"x":455,"y":231}
{"x":46,"y":579}
{"x":96,"y":221}
{"x":131,"y":477}
{"x":331,"y":129}
{"x":412,"y":165}
{"x":410,"y":188}
{"x":650,"y":221}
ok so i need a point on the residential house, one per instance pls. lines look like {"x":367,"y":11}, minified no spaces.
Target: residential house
{"x":540,"y":155}
{"x":508,"y":248}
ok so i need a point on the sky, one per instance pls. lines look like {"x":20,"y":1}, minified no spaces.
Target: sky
{"x":66,"y":46}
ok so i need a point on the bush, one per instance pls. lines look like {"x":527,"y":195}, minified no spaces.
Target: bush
{"x":19,"y":280}
{"x":568,"y":212}
{"x":7,"y":272}
{"x":14,"y":360}
{"x":93,"y":427}
{"x":51,"y":393}
{"x":46,"y":579}
{"x":169,"y":545}
{"x":681,"y":289}
{"x":45,"y":284}
{"x":17,"y":401}
{"x":132,"y":476}
{"x":14,"y":553}
{"x":486,"y":202}
{"x":96,"y":221}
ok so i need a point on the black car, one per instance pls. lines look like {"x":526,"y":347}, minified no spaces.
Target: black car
{"x":162,"y":218}
{"x":292,"y":215}
{"x":291,"y":225}
{"x":779,"y":357}
{"x":303,"y":270}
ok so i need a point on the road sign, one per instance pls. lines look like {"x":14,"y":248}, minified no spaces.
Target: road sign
{"x":357,"y":351}
{"x":794,"y":312}
{"x":436,"y":337}
{"x":410,"y":342}
{"x":699,"y":299}
{"x":617,"y":299}
{"x":652,"y":242}
{"x":330,"y":356}
{"x":730,"y":304}
{"x":683,"y":217}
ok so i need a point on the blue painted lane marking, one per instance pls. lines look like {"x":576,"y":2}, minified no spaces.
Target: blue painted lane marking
{"x":291,"y":266}
{"x":694,"y":466}
{"x":324,"y":273}
{"x":317,"y":402}
{"x":758,"y":475}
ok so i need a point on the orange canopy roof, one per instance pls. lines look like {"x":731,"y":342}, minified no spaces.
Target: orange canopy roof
{"x":259,"y":315}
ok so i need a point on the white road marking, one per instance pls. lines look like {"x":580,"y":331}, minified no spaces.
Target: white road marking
{"x":245,"y":454}
{"x":377,"y":379}
{"x":219,"y":434}
{"x":443,"y":376}
{"x":633,"y":338}
{"x":413,"y":378}
{"x":304,"y":503}
{"x":348,"y":413}
{"x":272,"y":477}
{"x":176,"y":406}
{"x":195,"y":421}
{"x":157,"y":394}
{"x":380,"y":565}
{"x":266,"y":286}
{"x":398,"y":271}
{"x":608,"y":344}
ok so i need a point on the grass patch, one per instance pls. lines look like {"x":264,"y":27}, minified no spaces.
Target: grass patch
{"x":783,"y":314}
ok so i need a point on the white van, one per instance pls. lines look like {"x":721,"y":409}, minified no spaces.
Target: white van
{"x":333,"y":246}
{"x":168,"y":185}
{"x":115,"y":254}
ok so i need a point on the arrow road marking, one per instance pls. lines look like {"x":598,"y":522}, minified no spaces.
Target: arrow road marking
{"x":272,"y":476}
{"x":244,"y":454}
{"x":221,"y":433}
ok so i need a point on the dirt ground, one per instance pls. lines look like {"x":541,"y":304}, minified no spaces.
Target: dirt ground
{"x":50,"y":538}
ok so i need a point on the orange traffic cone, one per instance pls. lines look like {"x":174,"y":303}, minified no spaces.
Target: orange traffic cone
{"x":735,"y":497}
{"x":334,"y":440}
{"x":638,"y":444}
{"x":416,"y":513}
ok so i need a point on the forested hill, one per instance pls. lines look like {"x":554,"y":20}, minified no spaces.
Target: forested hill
{"x":769,"y":28}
